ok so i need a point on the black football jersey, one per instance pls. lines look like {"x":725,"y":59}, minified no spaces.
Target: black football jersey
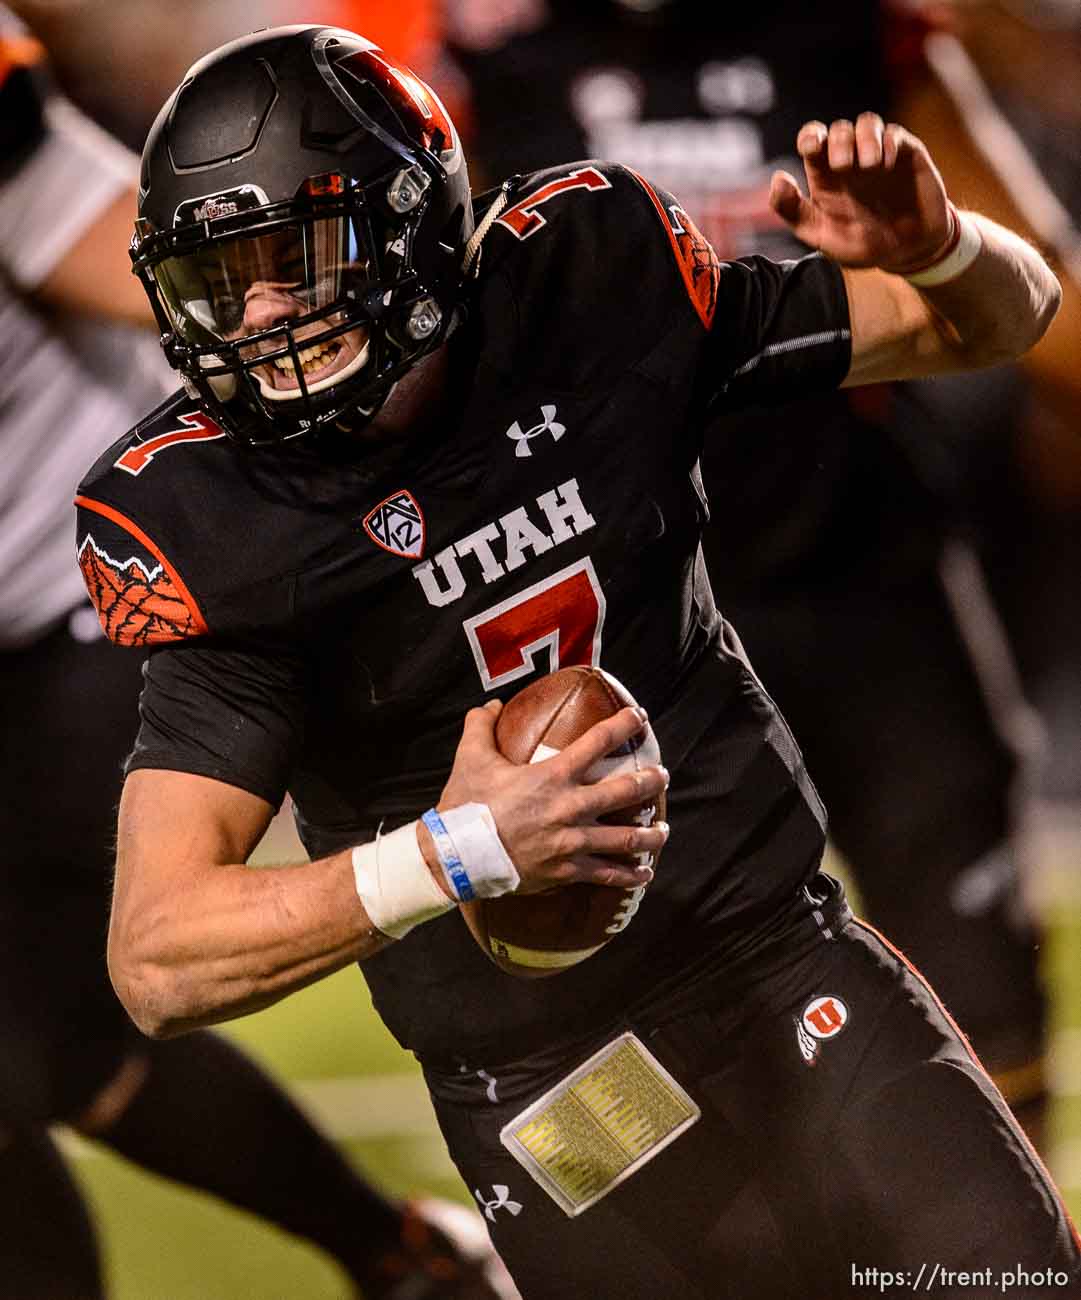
{"x":322,"y":621}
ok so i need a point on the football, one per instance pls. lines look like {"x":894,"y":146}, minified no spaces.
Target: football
{"x":537,"y":935}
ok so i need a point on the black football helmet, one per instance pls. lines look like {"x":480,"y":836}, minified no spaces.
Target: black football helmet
{"x":304,"y":208}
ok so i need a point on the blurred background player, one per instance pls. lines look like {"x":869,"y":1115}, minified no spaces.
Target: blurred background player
{"x":76,"y":363}
{"x":845,"y":557}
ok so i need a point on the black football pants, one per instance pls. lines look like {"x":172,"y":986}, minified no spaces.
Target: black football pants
{"x":881,"y":1146}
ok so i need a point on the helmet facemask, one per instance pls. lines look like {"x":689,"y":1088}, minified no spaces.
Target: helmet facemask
{"x":295,"y":317}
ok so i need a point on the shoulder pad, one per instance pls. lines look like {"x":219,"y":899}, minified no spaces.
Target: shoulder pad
{"x":601,"y":268}
{"x":178,"y":420}
{"x":529,"y":208}
{"x":617,"y":211}
{"x":693,"y":255}
{"x":140,"y":596}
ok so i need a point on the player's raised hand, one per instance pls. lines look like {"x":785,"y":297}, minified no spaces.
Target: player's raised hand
{"x":546,"y":812}
{"x":874,"y":196}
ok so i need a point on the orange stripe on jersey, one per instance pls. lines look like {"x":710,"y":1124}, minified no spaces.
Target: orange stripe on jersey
{"x":194,"y":624}
{"x":863,"y":925}
{"x":18,"y":52}
{"x":693,"y":252}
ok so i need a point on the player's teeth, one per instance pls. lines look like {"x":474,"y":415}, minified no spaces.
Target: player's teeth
{"x":310,"y":359}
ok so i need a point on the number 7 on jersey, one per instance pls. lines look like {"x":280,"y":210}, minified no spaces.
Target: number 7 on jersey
{"x":563,"y":614}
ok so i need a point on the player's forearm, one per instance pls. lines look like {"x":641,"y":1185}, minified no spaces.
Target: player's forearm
{"x":229,"y":940}
{"x":993,"y":311}
{"x":1002,"y":304}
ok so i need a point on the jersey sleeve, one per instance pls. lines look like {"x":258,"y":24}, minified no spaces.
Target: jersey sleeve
{"x":773,"y":331}
{"x":603,"y":270}
{"x":233,"y":713}
{"x":140,"y":597}
{"x":781,"y":331}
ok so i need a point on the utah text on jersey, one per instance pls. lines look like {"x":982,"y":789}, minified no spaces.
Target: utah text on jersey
{"x":516,"y":532}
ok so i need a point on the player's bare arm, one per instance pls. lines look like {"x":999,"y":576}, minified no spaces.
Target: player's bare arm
{"x":197,"y":937}
{"x":876,"y":204}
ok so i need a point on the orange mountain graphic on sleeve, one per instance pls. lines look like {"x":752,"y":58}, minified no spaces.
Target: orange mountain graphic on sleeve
{"x":135,"y":607}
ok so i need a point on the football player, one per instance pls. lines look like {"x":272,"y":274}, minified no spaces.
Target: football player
{"x":426,"y":450}
{"x":846,"y":562}
{"x":69,"y":370}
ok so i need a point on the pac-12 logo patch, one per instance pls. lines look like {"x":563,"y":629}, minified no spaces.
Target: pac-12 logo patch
{"x":397,"y":525}
{"x":821,"y":1019}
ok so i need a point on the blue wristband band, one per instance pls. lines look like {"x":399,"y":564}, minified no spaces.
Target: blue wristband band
{"x":456,"y":874}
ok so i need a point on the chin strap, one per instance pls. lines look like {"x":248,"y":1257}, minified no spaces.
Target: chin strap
{"x":471,"y":256}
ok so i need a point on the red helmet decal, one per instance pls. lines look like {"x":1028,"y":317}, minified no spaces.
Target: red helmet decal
{"x":417,"y":103}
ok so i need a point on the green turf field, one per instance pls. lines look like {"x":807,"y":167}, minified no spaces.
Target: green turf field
{"x":163,"y":1243}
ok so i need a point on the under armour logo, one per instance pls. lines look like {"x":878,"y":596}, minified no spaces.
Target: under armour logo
{"x":548,"y":424}
{"x":807,"y":1045}
{"x":491,"y":1081}
{"x":501,"y":1201}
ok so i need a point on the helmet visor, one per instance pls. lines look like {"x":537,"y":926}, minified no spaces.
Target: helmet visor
{"x":233,"y":288}
{"x":278,"y":288}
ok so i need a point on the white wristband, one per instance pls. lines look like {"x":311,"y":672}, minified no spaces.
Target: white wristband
{"x":472,"y":830}
{"x":394,"y":883}
{"x":958,"y":259}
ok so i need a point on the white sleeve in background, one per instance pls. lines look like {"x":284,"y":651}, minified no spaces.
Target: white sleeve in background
{"x":65,"y":184}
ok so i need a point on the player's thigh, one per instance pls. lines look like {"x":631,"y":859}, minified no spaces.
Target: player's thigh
{"x":707,"y":1208}
{"x":689,"y":1219}
{"x":878,"y":1139}
{"x":926,"y":1162}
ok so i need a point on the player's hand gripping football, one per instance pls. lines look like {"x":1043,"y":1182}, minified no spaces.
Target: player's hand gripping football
{"x":547,"y":812}
{"x":874,"y":197}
